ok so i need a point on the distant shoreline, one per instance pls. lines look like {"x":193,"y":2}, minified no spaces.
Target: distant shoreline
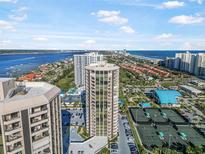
{"x":36,"y":52}
{"x":22,"y":53}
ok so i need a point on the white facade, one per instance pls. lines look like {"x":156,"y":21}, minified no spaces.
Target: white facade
{"x":177,"y":62}
{"x":192,"y":64}
{"x":188,"y":62}
{"x":80,"y":61}
{"x":30,"y":119}
{"x":200,"y":65}
{"x":102,"y":88}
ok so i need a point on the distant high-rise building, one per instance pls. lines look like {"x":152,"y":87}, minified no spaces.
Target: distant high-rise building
{"x":30,"y":118}
{"x":169,"y":62}
{"x":102,"y":87}
{"x":185,"y":61}
{"x":188,"y":62}
{"x":200,"y":65}
{"x":177,"y":61}
{"x":80,"y":61}
{"x":192,"y":63}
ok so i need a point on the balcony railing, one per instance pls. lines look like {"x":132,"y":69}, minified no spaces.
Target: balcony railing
{"x":38,"y":128}
{"x":15,"y":147}
{"x":12,"y":116}
{"x":35,"y":120}
{"x":10,"y":128}
{"x":12,"y":138}
{"x":39,"y":109}
{"x":37,"y":138}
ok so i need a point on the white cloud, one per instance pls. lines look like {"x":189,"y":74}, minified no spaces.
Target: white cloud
{"x":8,"y":1}
{"x":18,"y":18}
{"x":164,"y":36}
{"x":19,"y":15}
{"x":5,"y":25}
{"x":5,"y":42}
{"x":187,"y":46}
{"x":40,"y":38}
{"x":197,"y":1}
{"x":22,"y":9}
{"x":88,"y":44}
{"x":105,"y":13}
{"x":114,"y":20}
{"x":127,"y":29}
{"x":90,"y":41}
{"x":171,"y":4}
{"x":186,"y":20}
{"x":193,"y":45}
{"x":110,"y":17}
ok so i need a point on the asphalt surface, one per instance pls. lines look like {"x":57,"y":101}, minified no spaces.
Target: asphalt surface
{"x":122,"y":141}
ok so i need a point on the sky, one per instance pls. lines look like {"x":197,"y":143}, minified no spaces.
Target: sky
{"x":102,"y":24}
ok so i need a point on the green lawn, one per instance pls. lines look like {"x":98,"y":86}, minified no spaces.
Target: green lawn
{"x":1,"y":145}
{"x":104,"y":151}
{"x":169,"y":84}
{"x":66,"y":81}
{"x":83,"y":133}
{"x":1,"y":142}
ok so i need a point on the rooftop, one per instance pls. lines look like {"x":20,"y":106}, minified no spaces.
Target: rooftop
{"x":32,"y":89}
{"x":102,"y":66}
{"x":92,"y":145}
{"x":28,"y":94}
{"x":5,"y":79}
{"x":191,"y":89}
{"x":89,"y":54}
{"x":167,"y":96}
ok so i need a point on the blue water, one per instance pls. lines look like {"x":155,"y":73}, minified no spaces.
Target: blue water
{"x":12,"y":65}
{"x":160,"y":54}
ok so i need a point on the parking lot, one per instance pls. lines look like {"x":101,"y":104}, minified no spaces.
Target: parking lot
{"x":122,"y":140}
{"x":114,"y":149}
{"x":129,"y":136}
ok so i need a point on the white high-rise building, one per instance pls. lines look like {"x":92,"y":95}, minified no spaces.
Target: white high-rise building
{"x":192,"y":63}
{"x":177,"y":61}
{"x":200,"y":65}
{"x":185,"y":61}
{"x":102,"y":87}
{"x":80,"y":61}
{"x":188,"y":62}
{"x":30,"y":118}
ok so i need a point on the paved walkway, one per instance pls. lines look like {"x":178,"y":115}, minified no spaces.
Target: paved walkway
{"x":74,"y":136}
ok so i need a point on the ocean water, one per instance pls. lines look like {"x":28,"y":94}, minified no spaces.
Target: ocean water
{"x":12,"y":65}
{"x":161,"y":54}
